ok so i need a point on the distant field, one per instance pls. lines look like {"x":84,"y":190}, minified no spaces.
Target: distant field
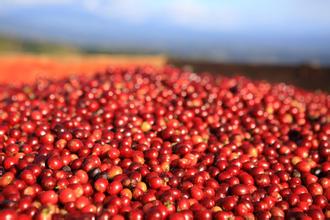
{"x":23,"y":68}
{"x":26,"y":68}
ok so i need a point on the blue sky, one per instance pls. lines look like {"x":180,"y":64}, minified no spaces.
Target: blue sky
{"x":222,"y":30}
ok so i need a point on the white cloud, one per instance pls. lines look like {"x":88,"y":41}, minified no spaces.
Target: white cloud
{"x":128,"y":10}
{"x":198,"y":14}
{"x":186,"y":13}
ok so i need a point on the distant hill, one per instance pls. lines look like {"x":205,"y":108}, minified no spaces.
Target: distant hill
{"x":191,"y":49}
{"x":10,"y":44}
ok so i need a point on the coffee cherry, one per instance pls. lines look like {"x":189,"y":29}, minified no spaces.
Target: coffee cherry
{"x":147,"y":143}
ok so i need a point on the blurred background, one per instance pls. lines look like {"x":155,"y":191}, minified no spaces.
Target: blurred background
{"x":274,"y":40}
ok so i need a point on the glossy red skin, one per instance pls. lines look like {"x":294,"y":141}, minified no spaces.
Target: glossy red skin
{"x":48,"y":197}
{"x":8,"y":214}
{"x":74,"y":145}
{"x":114,"y":188}
{"x":240,"y":190}
{"x":82,"y":202}
{"x":67,"y":195}
{"x":101,"y":184}
{"x":197,"y":193}
{"x":55,"y":163}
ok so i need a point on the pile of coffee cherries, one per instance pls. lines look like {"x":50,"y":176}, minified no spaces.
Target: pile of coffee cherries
{"x":148,"y":143}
